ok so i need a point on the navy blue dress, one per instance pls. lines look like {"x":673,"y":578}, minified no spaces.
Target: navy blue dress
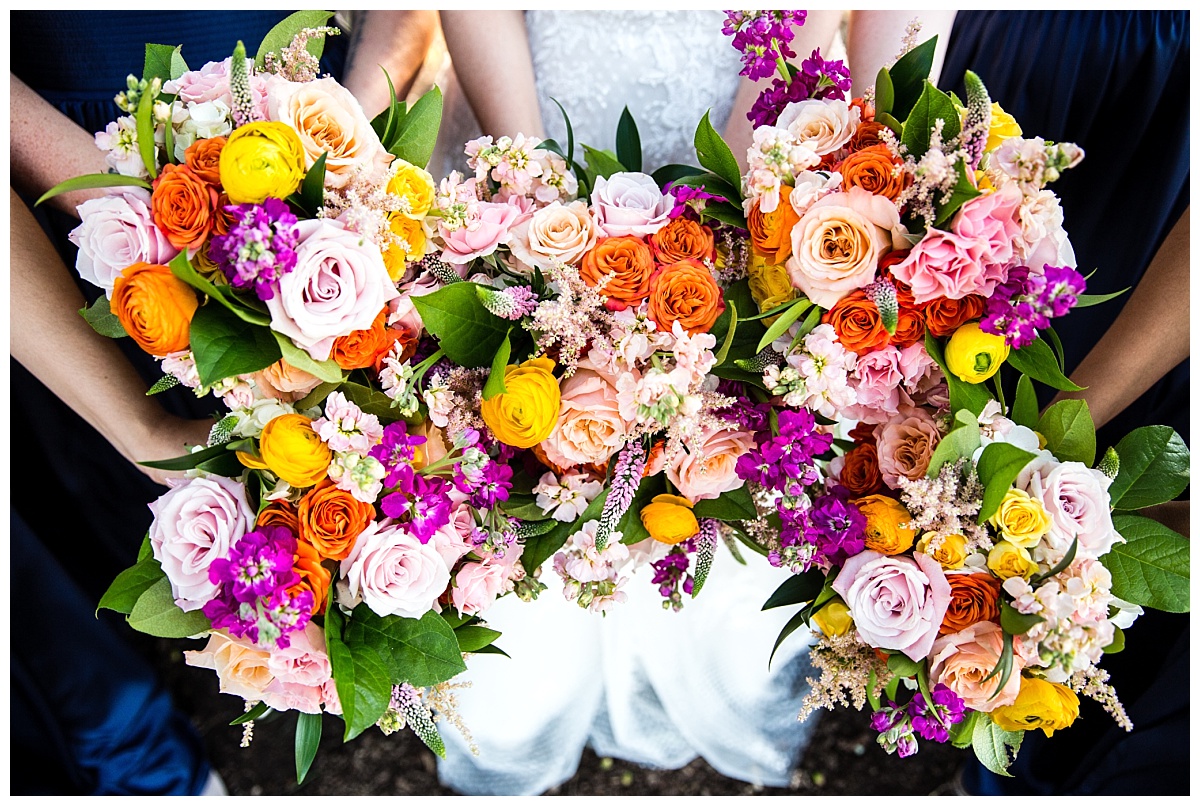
{"x":89,"y":714}
{"x":1116,"y":83}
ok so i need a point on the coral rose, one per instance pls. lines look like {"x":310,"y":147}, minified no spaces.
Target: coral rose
{"x":203,"y":157}
{"x":866,"y":135}
{"x":973,"y":598}
{"x":527,"y":411}
{"x":155,"y":307}
{"x":685,"y":292}
{"x":363,"y":348}
{"x":589,"y":429}
{"x":630,"y":262}
{"x":710,"y":468}
{"x":683,"y":239}
{"x":261,"y":160}
{"x":962,"y":660}
{"x":771,"y":233}
{"x":886,"y":529}
{"x":314,"y":577}
{"x":331,"y":518}
{"x":294,"y":451}
{"x":860,"y":471}
{"x":669,"y":519}
{"x":943,"y":315}
{"x":279,"y":513}
{"x":910,"y":323}
{"x":875,"y":170}
{"x":183,"y":205}
{"x":241,"y":667}
{"x":282,"y":381}
{"x":857,"y":323}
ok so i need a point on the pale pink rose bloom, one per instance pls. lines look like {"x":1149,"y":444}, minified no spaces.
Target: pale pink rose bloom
{"x":242,"y":668}
{"x":476,"y":586}
{"x":115,"y":231}
{"x":239,"y":396}
{"x":339,"y":285}
{"x":1043,"y":240}
{"x":897,"y":602}
{"x":809,"y":187}
{"x":629,"y":203}
{"x":920,"y":371}
{"x":300,"y":671}
{"x":329,"y":696}
{"x":393,"y":572}
{"x":480,"y":235}
{"x":860,"y":225}
{"x":905,"y":444}
{"x":962,"y":660}
{"x":182,"y":366}
{"x":211,"y":83}
{"x":1076,"y":498}
{"x":453,"y":541}
{"x":282,"y":381}
{"x":709,"y":468}
{"x":877,"y":382}
{"x":590,"y":428}
{"x":195,"y":522}
{"x":823,"y":126}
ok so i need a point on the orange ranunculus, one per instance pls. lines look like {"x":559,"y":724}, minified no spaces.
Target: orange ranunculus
{"x":875,"y":170}
{"x":313,"y":576}
{"x":866,"y":135}
{"x":857,"y":323}
{"x":685,"y":292}
{"x":973,"y":598}
{"x":279,"y":513}
{"x":682,"y":239}
{"x":943,"y":315}
{"x":183,"y":205}
{"x":155,"y":307}
{"x":771,"y":233}
{"x":631,"y":263}
{"x":331,"y":518}
{"x":204,"y":158}
{"x":860,"y":473}
{"x":359,"y":349}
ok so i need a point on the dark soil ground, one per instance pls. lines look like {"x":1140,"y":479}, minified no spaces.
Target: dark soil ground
{"x":843,"y":758}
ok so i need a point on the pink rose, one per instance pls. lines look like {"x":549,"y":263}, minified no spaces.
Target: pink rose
{"x":877,"y":382}
{"x":116,"y":231}
{"x":453,"y":541}
{"x":629,"y":203}
{"x":990,"y":223}
{"x":589,"y":428}
{"x":282,"y":381}
{"x":393,"y":572}
{"x":1076,"y":498}
{"x":195,"y":522}
{"x":300,"y":671}
{"x":211,"y":83}
{"x":481,"y":234}
{"x":476,"y":586}
{"x":242,"y":668}
{"x":962,"y":660}
{"x":897,"y":602}
{"x":905,"y":444}
{"x":339,"y":285}
{"x":708,"y":469}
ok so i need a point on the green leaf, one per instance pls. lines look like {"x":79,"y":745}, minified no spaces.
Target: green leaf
{"x":191,"y":460}
{"x":495,"y":381}
{"x":473,"y":638}
{"x":885,"y":92}
{"x":960,"y":443}
{"x":423,"y":652}
{"x":1155,"y":468}
{"x":360,"y":674}
{"x":144,"y":116}
{"x":969,"y":396}
{"x":145,"y":550}
{"x":1088,"y":300}
{"x":524,"y":507}
{"x":371,"y":401}
{"x":308,"y":739}
{"x":995,"y":747}
{"x":417,"y":133}
{"x":312,"y":189}
{"x":902,"y":665}
{"x":570,"y":132}
{"x":155,"y":613}
{"x":673,"y":173}
{"x":285,"y":31}
{"x":960,"y":732}
{"x":798,"y":589}
{"x":887,"y":120}
{"x":715,"y":155}
{"x":726,"y":213}
{"x":998,"y":467}
{"x":182,"y":268}
{"x":964,"y":190}
{"x":630,"y":526}
{"x":601,"y":163}
{"x":327,"y":370}
{"x":723,"y":353}
{"x":629,"y":144}
{"x":90,"y":181}
{"x":1062,"y":565}
{"x":129,"y":586}
{"x":734,"y":505}
{"x":908,"y":76}
{"x":251,"y":715}
{"x":1118,"y":642}
{"x":161,"y":62}
{"x":467,"y":331}
{"x":317,"y":396}
{"x":1025,"y":406}
{"x":225,"y":345}
{"x":1056,"y":343}
{"x":100,"y":316}
{"x":1151,"y":568}
{"x":932,"y":105}
{"x":384,"y":124}
{"x":712,"y":183}
{"x":1014,"y":622}
{"x":1069,"y":432}
{"x":776,"y":311}
{"x":1038,"y":362}
{"x":794,"y":623}
{"x":781,"y":325}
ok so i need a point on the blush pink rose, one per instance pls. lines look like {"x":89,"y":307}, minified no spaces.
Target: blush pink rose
{"x":1076,"y":498}
{"x":589,"y":428}
{"x":897,"y":602}
{"x":339,"y":285}
{"x":195,"y":522}
{"x":629,"y":203}
{"x":710,"y":468}
{"x":453,"y":541}
{"x":116,"y":231}
{"x":300,"y":672}
{"x":476,"y":586}
{"x":242,"y":668}
{"x":962,"y":660}
{"x":393,"y":572}
{"x":481,"y":234}
{"x":878,"y":386}
{"x":557,"y":233}
{"x":905,"y":444}
{"x":211,"y":83}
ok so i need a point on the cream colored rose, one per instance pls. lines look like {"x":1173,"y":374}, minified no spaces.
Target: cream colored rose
{"x":709,"y":468}
{"x":589,"y":428}
{"x":241,"y":668}
{"x":823,"y":126}
{"x":282,"y":381}
{"x":837,"y":244}
{"x":329,"y":121}
{"x":557,"y":233}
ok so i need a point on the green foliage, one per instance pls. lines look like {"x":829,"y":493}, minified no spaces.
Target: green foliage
{"x":601,"y":164}
{"x":371,"y":401}
{"x":781,"y":325}
{"x":468,"y":333}
{"x":715,"y":155}
{"x":932,"y":105}
{"x":495,"y":380}
{"x":902,"y":665}
{"x":629,"y":144}
{"x":523,"y":506}
{"x":254,"y":713}
{"x":1154,"y":468}
{"x":726,"y":213}
{"x":539,"y":549}
{"x":423,"y":652}
{"x":311,"y":195}
{"x":959,"y":443}
{"x":90,"y":181}
{"x":225,"y":345}
{"x":308,"y":739}
{"x":964,"y":190}
{"x":1151,"y":568}
{"x":1088,"y":300}
{"x":129,"y":586}
{"x":363,"y":685}
{"x":384,"y":124}
{"x":998,"y":467}
{"x":1025,"y":406}
{"x":673,"y":173}
{"x":798,"y":589}
{"x":885,"y":91}
{"x":199,"y":458}
{"x":100,"y":316}
{"x":1014,"y":622}
{"x":155,"y":613}
{"x":472,"y":637}
{"x":995,"y":747}
{"x":908,"y":76}
{"x":734,"y":505}
{"x":1038,"y":362}
{"x":1118,"y":642}
{"x":1069,"y":431}
{"x":727,"y":342}
{"x":630,"y":526}
{"x":327,"y":370}
{"x":285,"y":31}
{"x":416,"y":133}
{"x":163,"y":62}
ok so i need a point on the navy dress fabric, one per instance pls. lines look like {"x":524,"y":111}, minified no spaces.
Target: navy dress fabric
{"x":1116,"y":83}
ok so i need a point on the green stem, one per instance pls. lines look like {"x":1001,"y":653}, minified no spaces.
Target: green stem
{"x":781,"y":65}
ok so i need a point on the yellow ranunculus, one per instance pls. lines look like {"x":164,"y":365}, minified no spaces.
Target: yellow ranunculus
{"x":669,"y":519}
{"x":886,"y":532}
{"x":974,"y":356}
{"x":294,"y":451}
{"x":251,"y":461}
{"x":262,"y":160}
{"x":833,"y":618}
{"x":1021,"y":519}
{"x":951,"y":553}
{"x":1002,"y":127}
{"x":414,"y":186}
{"x":410,"y":247}
{"x":1006,"y":560}
{"x":1040,"y":704}
{"x":769,"y":285}
{"x":527,"y":411}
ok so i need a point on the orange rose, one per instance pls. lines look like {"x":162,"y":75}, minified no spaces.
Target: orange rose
{"x":889,"y":259}
{"x":204,"y":158}
{"x":864,"y":107}
{"x":860,"y":473}
{"x":866,"y":135}
{"x":313,"y":576}
{"x":331,"y":518}
{"x":943,"y":316}
{"x":183,"y":206}
{"x":771,"y":233}
{"x":361,"y":348}
{"x":856,"y":321}
{"x":910,"y":322}
{"x":631,"y":263}
{"x":685,"y":292}
{"x":683,"y":239}
{"x":279,"y":513}
{"x":875,"y":170}
{"x":222,"y":217}
{"x":155,"y":307}
{"x":973,"y":598}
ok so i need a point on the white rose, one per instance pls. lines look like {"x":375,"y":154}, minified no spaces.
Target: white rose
{"x":811,"y":186}
{"x":630,"y":203}
{"x":393,"y":572}
{"x":824,"y":126}
{"x":1043,"y":240}
{"x":1076,"y":498}
{"x":116,"y":231}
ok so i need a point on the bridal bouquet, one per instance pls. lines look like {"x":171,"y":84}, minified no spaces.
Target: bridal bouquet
{"x":965,"y":559}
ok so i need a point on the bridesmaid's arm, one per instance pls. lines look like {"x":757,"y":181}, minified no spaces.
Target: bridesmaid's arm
{"x":875,"y":37}
{"x":490,"y":53}
{"x":395,"y":40}
{"x":1149,"y":338}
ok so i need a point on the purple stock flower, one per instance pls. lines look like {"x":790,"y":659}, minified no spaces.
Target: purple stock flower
{"x":1026,"y":302}
{"x":493,"y":486}
{"x":686,"y":196}
{"x":817,"y":79}
{"x":762,"y":37}
{"x":396,"y":452}
{"x":425,"y":506}
{"x":836,"y":527}
{"x":932,"y":722}
{"x":259,"y":248}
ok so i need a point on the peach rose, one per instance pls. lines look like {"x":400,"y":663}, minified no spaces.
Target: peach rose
{"x":589,"y":428}
{"x":556,"y":233}
{"x":771,"y":233}
{"x":962,"y":660}
{"x":155,"y":307}
{"x":683,"y":239}
{"x":203,"y":157}
{"x":708,"y":469}
{"x":631,"y":263}
{"x":183,"y":205}
{"x":905,"y":445}
{"x":875,"y":170}
{"x":241,"y":667}
{"x":857,"y":323}
{"x":823,"y":126}
{"x":331,"y":518}
{"x":282,"y":381}
{"x":685,"y":292}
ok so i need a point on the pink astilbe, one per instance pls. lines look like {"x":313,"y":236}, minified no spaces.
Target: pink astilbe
{"x":571,"y":321}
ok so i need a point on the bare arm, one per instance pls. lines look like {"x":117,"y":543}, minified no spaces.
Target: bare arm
{"x":84,"y":369}
{"x":394,"y":40}
{"x":497,"y":81}
{"x":875,"y":38}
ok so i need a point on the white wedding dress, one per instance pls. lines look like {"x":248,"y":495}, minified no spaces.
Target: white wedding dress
{"x":643,"y":684}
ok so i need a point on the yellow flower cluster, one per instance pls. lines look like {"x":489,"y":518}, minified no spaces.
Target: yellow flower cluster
{"x":416,"y":189}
